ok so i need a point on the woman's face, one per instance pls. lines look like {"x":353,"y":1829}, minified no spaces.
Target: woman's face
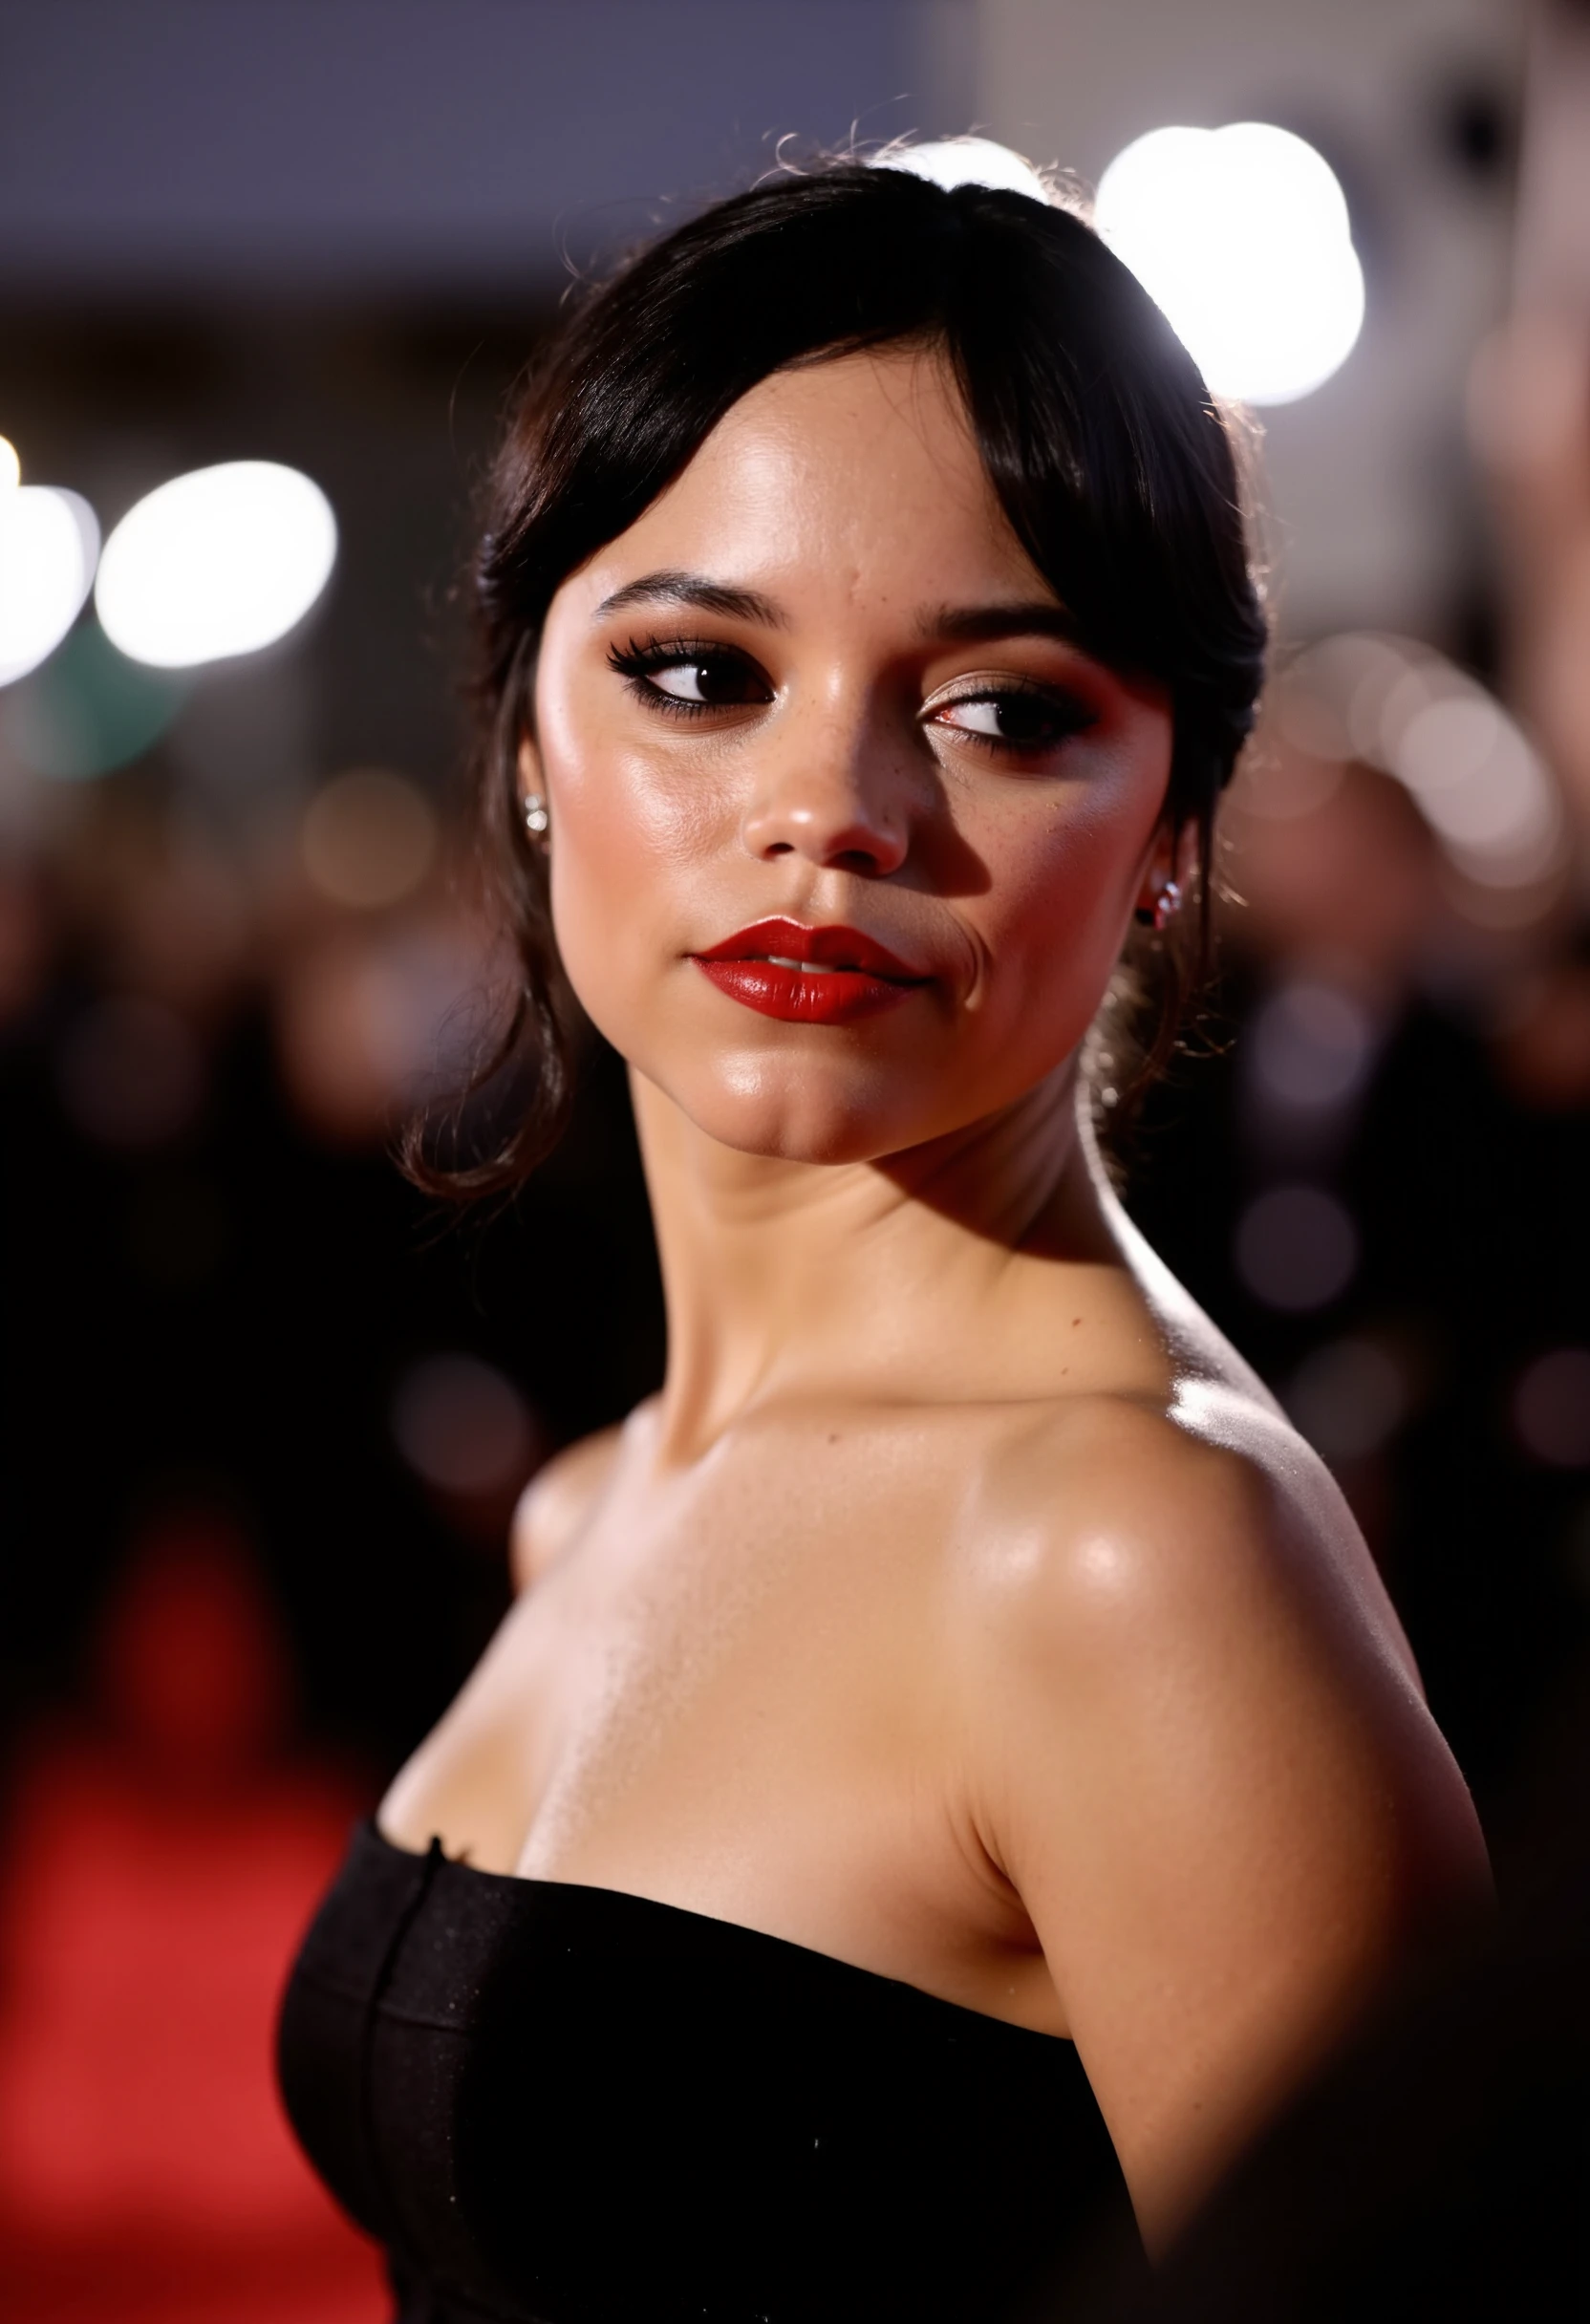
{"x":819,"y":684}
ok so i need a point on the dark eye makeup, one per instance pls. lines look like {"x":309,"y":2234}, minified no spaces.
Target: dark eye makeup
{"x":711,"y":677}
{"x":686,"y":678}
{"x":1017,"y":715}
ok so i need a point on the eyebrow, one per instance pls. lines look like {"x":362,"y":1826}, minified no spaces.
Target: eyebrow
{"x":975,"y":624}
{"x":970,"y":624}
{"x":694,"y":589}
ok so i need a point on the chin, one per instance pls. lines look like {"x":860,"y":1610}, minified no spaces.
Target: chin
{"x":795,"y":1109}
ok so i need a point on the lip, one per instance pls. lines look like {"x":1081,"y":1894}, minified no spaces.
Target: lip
{"x":808,"y":976}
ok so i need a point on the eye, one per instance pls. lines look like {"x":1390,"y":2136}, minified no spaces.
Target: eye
{"x":1017,"y":717}
{"x":682,"y":677}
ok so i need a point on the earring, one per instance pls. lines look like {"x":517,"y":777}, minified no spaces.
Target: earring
{"x":1164,"y":909}
{"x":536,"y":817}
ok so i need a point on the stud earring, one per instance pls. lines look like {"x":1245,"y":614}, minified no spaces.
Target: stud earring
{"x":536,"y":817}
{"x":1164,"y":909}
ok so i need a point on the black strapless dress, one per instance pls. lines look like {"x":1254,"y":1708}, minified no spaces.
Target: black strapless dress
{"x":565,"y":2105}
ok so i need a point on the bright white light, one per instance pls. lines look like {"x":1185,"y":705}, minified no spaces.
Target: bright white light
{"x":49,"y":540}
{"x":952,"y":161}
{"x":1241,"y":236}
{"x":11,"y":467}
{"x":221,"y":561}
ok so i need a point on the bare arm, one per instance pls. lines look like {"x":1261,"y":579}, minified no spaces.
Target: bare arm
{"x":1217,"y":1790}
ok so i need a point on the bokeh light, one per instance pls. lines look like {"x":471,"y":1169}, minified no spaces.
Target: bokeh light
{"x":462,"y":1425}
{"x":1311,"y":1046}
{"x":1296,"y":1248}
{"x":131,"y":1072}
{"x":1482,"y":787}
{"x":1479,"y":783}
{"x":219,"y":562}
{"x":368,"y":838}
{"x":49,"y":541}
{"x":1551,"y":1408}
{"x":1242,"y":238}
{"x":952,"y":161}
{"x":1348,"y":1398}
{"x":374,"y":1017}
{"x":10,"y":466}
{"x":89,"y":709}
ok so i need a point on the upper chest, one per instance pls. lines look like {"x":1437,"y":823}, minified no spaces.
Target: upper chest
{"x":836,"y":1546}
{"x":751,"y":1689}
{"x":774,"y":1632}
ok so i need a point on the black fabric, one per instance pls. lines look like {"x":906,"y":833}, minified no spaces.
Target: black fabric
{"x":572,"y":2106}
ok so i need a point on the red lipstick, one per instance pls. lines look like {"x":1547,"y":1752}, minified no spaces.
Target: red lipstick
{"x":808,"y":976}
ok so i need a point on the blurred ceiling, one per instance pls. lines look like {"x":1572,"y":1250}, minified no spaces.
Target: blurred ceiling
{"x":181,"y":153}
{"x":418,"y":145}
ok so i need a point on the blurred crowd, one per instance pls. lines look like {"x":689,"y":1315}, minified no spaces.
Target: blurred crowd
{"x":1375,"y":1179}
{"x":266,"y":1412}
{"x":220,"y":1291}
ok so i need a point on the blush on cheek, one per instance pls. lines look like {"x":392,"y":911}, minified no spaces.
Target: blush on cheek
{"x":1070,"y":901}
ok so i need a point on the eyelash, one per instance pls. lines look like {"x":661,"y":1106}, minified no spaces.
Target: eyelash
{"x":638,"y":662}
{"x":1070,"y":712}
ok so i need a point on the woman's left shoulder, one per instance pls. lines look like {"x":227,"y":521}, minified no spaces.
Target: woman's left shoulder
{"x":1198,"y":1753}
{"x":1201,"y":1514}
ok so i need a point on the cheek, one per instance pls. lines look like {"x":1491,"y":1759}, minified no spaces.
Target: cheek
{"x":1061,"y":888}
{"x":623,"y":808}
{"x":627,"y":840}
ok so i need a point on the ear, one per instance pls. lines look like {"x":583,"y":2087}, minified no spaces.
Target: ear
{"x":528,"y":763}
{"x":1170,"y":858}
{"x":1168,"y":873}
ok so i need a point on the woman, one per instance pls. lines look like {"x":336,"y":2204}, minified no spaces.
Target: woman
{"x":956,"y":1718}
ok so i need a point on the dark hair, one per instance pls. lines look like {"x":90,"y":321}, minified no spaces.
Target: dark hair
{"x":1114,"y":466}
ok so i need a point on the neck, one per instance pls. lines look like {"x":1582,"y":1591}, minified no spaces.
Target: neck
{"x":791,"y":1278}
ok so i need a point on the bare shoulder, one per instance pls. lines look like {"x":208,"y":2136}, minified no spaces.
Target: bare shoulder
{"x":1179,"y":1594}
{"x":1112,"y":1518}
{"x":1200,"y":1756}
{"x":556,"y":1502}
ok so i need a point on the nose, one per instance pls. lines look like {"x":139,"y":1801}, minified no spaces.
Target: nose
{"x":833,"y":791}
